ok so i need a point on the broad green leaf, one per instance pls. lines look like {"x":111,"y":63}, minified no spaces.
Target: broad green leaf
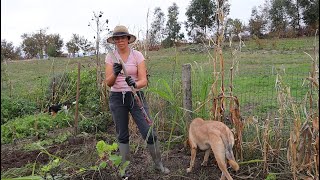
{"x":101,"y":147}
{"x":103,"y":164}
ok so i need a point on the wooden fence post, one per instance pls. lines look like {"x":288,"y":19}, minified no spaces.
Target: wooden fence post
{"x":77,"y":102}
{"x":186,"y":91}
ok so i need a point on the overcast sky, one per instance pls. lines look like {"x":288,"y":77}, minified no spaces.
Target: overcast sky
{"x":66,"y":17}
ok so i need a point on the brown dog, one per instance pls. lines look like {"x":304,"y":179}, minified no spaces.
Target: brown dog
{"x":214,"y":135}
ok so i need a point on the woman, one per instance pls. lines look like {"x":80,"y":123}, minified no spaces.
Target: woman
{"x":121,"y":100}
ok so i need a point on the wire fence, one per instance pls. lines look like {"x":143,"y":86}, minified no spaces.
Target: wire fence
{"x":260,"y":98}
{"x":256,"y":92}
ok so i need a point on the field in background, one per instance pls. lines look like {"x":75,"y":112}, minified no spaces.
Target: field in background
{"x":255,"y":71}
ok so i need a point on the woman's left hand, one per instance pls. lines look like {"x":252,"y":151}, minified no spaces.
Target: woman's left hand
{"x":131,"y":81}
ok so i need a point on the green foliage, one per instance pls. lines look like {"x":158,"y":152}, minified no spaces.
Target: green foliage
{"x":55,"y":43}
{"x":167,"y":42}
{"x":200,"y":14}
{"x":311,"y":13}
{"x":34,"y":44}
{"x":173,"y":110}
{"x":95,"y":124}
{"x":89,"y":93}
{"x":61,"y":88}
{"x":65,"y":88}
{"x":31,"y":44}
{"x":271,"y":176}
{"x":201,"y":87}
{"x":103,"y":148}
{"x":173,"y":26}
{"x":110,"y":160}
{"x":32,"y":125}
{"x":8,"y":51}
{"x":13,"y":108}
{"x":76,"y":43}
{"x":60,"y":138}
{"x":50,"y":166}
{"x":16,"y":172}
{"x":52,"y":52}
{"x":277,"y":14}
{"x":157,"y":27}
{"x":258,"y":22}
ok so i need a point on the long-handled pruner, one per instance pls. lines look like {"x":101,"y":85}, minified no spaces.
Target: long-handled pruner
{"x":136,"y":97}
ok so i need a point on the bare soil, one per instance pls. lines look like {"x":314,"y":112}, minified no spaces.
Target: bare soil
{"x":79,"y":152}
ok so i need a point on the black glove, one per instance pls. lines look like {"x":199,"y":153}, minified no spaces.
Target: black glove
{"x":131,"y":82}
{"x":117,"y":67}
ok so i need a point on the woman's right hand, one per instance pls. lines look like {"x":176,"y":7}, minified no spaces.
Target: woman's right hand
{"x":117,"y":67}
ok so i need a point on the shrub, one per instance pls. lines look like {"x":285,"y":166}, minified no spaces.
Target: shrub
{"x":98,"y":123}
{"x":13,"y":108}
{"x":33,"y":125}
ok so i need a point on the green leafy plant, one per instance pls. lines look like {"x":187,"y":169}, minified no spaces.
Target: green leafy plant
{"x":110,"y":160}
{"x":49,"y":168}
{"x":32,"y":125}
{"x":271,"y":176}
{"x":12,"y":108}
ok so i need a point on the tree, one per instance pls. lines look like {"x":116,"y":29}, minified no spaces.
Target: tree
{"x":311,"y":14}
{"x":200,"y":15}
{"x":8,"y":51}
{"x":77,"y":43}
{"x":157,"y":27}
{"x":228,"y":28}
{"x":278,"y":17}
{"x":74,"y":45}
{"x":238,"y":27}
{"x":173,"y":26}
{"x":38,"y":44}
{"x":258,"y":22}
{"x":54,"y":45}
{"x":86,"y":46}
{"x":42,"y":41}
{"x":295,"y":10}
{"x":30,"y":46}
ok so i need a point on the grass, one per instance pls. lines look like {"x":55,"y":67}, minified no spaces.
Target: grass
{"x":255,"y":73}
{"x":253,"y":82}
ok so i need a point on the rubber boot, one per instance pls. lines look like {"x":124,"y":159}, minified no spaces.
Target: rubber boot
{"x":156,"y":156}
{"x":124,"y":153}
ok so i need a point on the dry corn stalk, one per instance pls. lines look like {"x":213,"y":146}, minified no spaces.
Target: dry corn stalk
{"x":236,"y":120}
{"x":315,"y":143}
{"x":220,"y":98}
{"x":265,"y":150}
{"x":292,"y":151}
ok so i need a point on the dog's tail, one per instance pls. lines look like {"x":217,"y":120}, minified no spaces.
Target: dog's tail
{"x":234,"y":165}
{"x":230,"y":157}
{"x":229,"y":153}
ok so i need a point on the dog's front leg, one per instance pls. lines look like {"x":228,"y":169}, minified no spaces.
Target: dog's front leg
{"x":193,"y":157}
{"x":206,"y":156}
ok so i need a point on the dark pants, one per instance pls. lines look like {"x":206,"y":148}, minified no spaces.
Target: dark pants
{"x":120,"y":105}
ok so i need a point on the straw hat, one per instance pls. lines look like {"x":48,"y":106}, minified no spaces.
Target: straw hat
{"x":121,"y":31}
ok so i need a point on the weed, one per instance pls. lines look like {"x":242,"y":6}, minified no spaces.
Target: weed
{"x":110,"y":160}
